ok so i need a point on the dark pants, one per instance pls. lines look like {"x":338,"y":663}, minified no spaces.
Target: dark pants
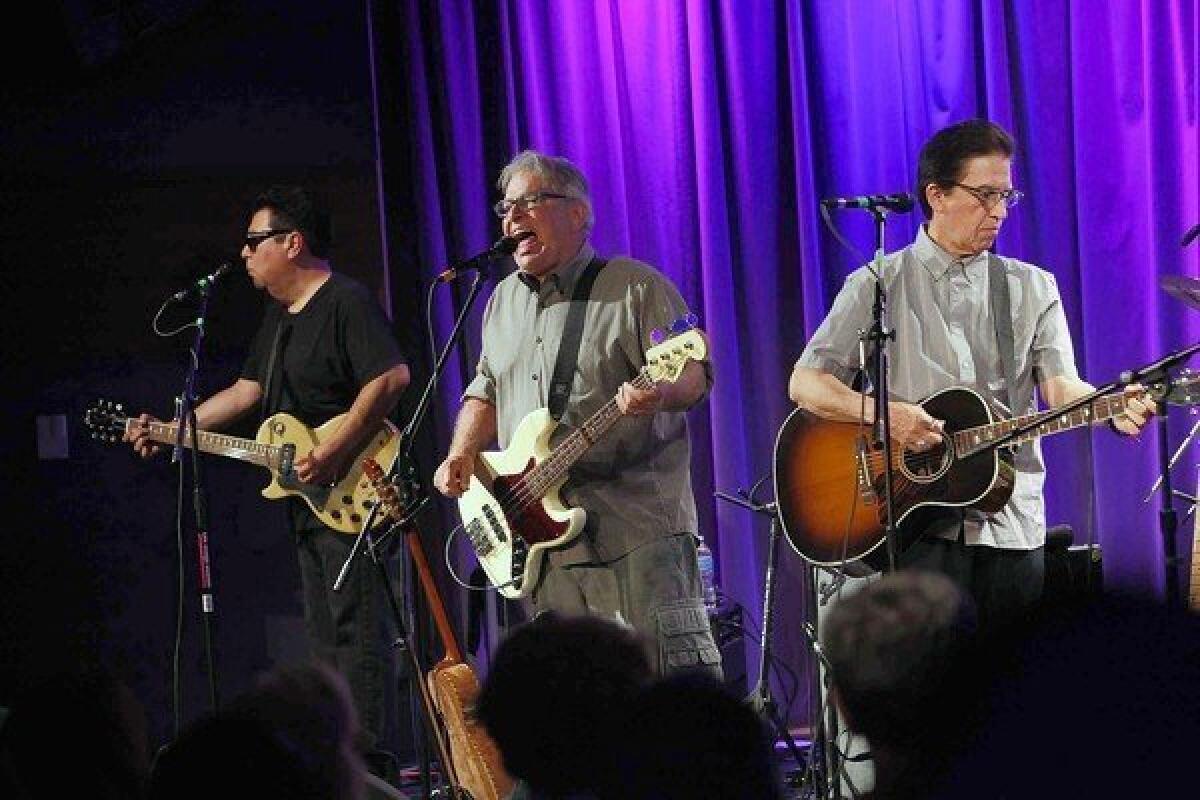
{"x":1006,"y":585}
{"x":352,"y":630}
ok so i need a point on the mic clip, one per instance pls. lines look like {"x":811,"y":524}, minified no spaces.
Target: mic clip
{"x":203,"y":285}
{"x":504,"y":246}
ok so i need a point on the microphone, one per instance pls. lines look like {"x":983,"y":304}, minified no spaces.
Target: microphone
{"x":900,"y":202}
{"x":504,"y":246}
{"x":202,"y":285}
{"x":1190,"y":235}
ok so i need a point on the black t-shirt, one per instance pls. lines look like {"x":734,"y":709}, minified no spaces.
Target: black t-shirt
{"x":327,"y":351}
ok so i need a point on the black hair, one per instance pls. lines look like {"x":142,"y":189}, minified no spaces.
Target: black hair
{"x":943,"y":156}
{"x":553,"y":699}
{"x":296,"y":208}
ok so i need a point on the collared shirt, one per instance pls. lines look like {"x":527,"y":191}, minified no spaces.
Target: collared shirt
{"x":635,"y":481}
{"x":938,"y":306}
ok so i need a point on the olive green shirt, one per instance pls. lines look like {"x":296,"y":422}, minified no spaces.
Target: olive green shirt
{"x":635,"y":481}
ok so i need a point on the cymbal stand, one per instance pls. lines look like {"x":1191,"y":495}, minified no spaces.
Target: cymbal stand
{"x":1179,"y":451}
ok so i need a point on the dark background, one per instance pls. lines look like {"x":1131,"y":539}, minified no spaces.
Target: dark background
{"x":134,"y":137}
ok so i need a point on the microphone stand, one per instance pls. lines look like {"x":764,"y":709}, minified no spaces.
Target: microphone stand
{"x":186,"y":419}
{"x":877,"y":337}
{"x":1155,"y":372}
{"x":760,"y":698}
{"x":413,"y":496}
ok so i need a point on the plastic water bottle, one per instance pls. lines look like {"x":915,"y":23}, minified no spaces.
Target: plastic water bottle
{"x":707,"y":573}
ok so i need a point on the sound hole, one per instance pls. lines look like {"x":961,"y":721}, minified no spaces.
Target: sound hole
{"x":927,"y":466}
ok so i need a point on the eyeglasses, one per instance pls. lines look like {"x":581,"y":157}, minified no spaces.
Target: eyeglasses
{"x":255,"y":238}
{"x":990,"y":197}
{"x":525,"y":203}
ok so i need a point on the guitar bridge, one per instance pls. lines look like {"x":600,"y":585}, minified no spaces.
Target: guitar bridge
{"x":478,"y":535}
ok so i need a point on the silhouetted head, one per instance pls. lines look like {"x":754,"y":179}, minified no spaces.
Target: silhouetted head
{"x":553,"y":698}
{"x":687,"y":737}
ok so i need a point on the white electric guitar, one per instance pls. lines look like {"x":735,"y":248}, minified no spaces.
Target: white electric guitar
{"x":512,"y":512}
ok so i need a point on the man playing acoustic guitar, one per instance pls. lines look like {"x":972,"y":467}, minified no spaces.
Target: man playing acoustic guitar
{"x":323,"y":349}
{"x":940,"y":298}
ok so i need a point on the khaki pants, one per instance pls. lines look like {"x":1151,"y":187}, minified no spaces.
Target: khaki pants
{"x":654,"y":588}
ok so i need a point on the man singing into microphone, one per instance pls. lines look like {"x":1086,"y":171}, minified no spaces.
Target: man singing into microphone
{"x":324,"y":348}
{"x":636,"y":558}
{"x":940,"y":298}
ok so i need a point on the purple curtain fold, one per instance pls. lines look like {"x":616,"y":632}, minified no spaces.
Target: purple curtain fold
{"x":709,"y":130}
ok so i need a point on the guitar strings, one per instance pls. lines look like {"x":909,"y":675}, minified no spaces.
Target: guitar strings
{"x":531,"y":487}
{"x":1112,"y":406}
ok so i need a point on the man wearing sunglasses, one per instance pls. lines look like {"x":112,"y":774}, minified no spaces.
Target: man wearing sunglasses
{"x":940,"y":299}
{"x":324,"y":348}
{"x":635,"y":560}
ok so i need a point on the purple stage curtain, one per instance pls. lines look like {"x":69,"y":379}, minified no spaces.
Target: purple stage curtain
{"x":709,"y":130}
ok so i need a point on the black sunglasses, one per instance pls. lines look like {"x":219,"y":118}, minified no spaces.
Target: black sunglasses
{"x":255,"y":238}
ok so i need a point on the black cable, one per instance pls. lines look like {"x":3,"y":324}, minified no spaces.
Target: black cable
{"x":433,"y":354}
{"x":176,"y":684}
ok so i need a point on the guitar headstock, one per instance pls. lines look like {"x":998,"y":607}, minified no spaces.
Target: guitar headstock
{"x":666,"y":360}
{"x":106,"y":420}
{"x":385,"y":491}
{"x":1183,"y":391}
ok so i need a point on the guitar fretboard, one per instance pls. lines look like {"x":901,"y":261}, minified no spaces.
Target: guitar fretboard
{"x":554,"y":468}
{"x":972,"y":440}
{"x":265,"y":455}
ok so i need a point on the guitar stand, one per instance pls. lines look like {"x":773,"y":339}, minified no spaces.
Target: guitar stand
{"x":402,"y":473}
{"x":760,"y":698}
{"x":412,"y":498}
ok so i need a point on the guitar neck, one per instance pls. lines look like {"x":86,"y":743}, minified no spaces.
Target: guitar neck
{"x":972,"y":440}
{"x":579,"y":441}
{"x":264,"y":455}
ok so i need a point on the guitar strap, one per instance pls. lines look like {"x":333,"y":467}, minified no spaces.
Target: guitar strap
{"x":1001,"y":310}
{"x":269,"y":381}
{"x":568,"y":346}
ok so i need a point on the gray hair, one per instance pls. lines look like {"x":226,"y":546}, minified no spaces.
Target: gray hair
{"x":897,"y":651}
{"x":558,"y":174}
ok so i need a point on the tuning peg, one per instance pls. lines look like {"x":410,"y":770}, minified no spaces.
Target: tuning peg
{"x":684,"y":323}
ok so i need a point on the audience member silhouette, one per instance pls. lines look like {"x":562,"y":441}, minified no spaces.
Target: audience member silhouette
{"x":554,"y":698}
{"x":1099,"y":701}
{"x":687,"y":737}
{"x":76,"y":733}
{"x":903,"y":661}
{"x":292,"y":736}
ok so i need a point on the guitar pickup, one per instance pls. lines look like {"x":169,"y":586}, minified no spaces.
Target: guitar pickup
{"x":287,"y":458}
{"x":497,"y":528}
{"x":866,"y":489}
